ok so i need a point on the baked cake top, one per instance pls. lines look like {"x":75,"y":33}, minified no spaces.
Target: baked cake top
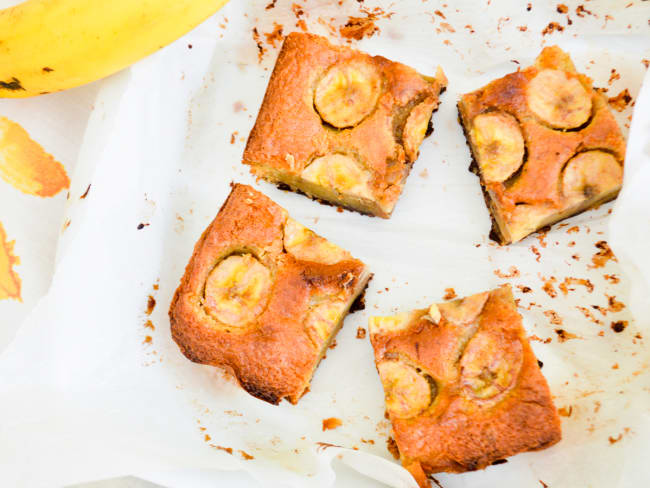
{"x":462,"y":385}
{"x":324,"y":101}
{"x":544,"y":141}
{"x":262,"y":295}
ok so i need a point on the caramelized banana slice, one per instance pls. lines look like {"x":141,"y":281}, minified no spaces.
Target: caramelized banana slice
{"x":416,"y":128}
{"x":392,"y":323}
{"x":499,"y":145}
{"x":464,"y":310}
{"x":559,"y":100}
{"x":490,"y":365}
{"x":305,"y":245}
{"x":347,"y":93}
{"x":407,"y":392}
{"x":340,"y":172}
{"x":589,"y":174}
{"x":323,"y":318}
{"x":237,"y":289}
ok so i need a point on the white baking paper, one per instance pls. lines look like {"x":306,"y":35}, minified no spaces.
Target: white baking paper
{"x":88,"y":391}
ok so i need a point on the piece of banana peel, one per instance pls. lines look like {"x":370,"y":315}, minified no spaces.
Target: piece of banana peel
{"x":53,"y":45}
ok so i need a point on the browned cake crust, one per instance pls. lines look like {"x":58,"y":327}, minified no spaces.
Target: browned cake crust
{"x":340,"y":125}
{"x":263,"y":297}
{"x":463,"y":387}
{"x":545,"y":145}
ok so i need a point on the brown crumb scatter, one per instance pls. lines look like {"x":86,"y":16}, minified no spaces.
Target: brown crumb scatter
{"x":588,"y":314}
{"x":549,"y":288}
{"x":529,"y":7}
{"x":612,"y":278}
{"x":619,"y":326}
{"x":536,"y":253}
{"x":513,"y":272}
{"x":553,"y":317}
{"x":615,"y":366}
{"x":302,"y":25}
{"x":614,"y":440}
{"x":275,"y":35}
{"x":333,"y":344}
{"x":207,"y":438}
{"x":563,"y":9}
{"x":575,"y":257}
{"x":450,"y":294}
{"x":564,"y":286}
{"x":563,"y":335}
{"x":331,"y":423}
{"x":359,"y":27}
{"x":245,"y":456}
{"x":151,"y":304}
{"x":446,"y":26}
{"x":392,"y":447}
{"x":147,"y":340}
{"x":544,"y":485}
{"x":361,"y":333}
{"x":604,"y":254}
{"x":581,"y":11}
{"x":613,"y":76}
{"x":552,"y":27}
{"x":524,"y":289}
{"x":367,"y":441}
{"x":439,"y":14}
{"x":565,"y":411}
{"x":539,"y":339}
{"x":646,"y":63}
{"x":573,"y":230}
{"x":614,"y":305}
{"x":522,"y":28}
{"x":470,"y":28}
{"x":620,"y":101}
{"x":270,"y":5}
{"x":82,"y":197}
{"x":233,"y":137}
{"x":258,"y":41}
{"x":149,"y":325}
{"x":221,"y":448}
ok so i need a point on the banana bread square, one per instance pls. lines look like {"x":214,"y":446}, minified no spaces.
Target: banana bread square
{"x":341,"y":126}
{"x":263,"y":297}
{"x":545,"y":145}
{"x":462,"y":386}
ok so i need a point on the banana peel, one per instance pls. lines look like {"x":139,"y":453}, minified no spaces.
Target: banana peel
{"x":52,"y":45}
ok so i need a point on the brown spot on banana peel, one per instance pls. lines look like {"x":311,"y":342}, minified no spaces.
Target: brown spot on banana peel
{"x":13,"y":85}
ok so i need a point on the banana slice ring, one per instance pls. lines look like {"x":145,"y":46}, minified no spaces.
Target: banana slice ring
{"x":559,"y":100}
{"x":340,"y":172}
{"x":408,"y":392}
{"x":237,"y":290}
{"x":499,"y":145}
{"x":490,"y":365}
{"x":590,"y":174}
{"x":347,"y":93}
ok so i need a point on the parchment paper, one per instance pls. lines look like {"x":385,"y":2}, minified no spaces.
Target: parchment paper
{"x":89,"y":391}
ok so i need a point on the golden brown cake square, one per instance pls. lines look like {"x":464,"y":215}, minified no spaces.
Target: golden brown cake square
{"x":263,"y":297}
{"x":545,"y":145}
{"x":462,"y":385}
{"x":340,"y":125}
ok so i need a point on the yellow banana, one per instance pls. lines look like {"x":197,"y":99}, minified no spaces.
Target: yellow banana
{"x":52,"y":45}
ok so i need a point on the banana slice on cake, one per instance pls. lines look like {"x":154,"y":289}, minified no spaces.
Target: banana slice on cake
{"x":590,"y":174}
{"x":416,"y":128}
{"x":499,"y":145}
{"x":305,"y":245}
{"x":347,"y":93}
{"x":340,"y":172}
{"x":407,"y":391}
{"x":490,"y":365}
{"x":558,"y":99}
{"x":237,"y":289}
{"x":464,"y":310}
